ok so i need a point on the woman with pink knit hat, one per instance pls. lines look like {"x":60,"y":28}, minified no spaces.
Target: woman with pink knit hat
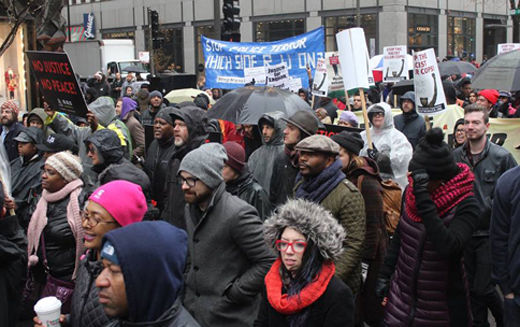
{"x":113,"y":205}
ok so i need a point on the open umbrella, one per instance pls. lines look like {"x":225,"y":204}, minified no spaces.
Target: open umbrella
{"x":181,"y":95}
{"x":501,"y":72}
{"x":402,"y":87}
{"x":456,"y":68}
{"x":247,"y":104}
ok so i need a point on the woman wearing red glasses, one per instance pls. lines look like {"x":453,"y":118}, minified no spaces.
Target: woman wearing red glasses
{"x":300,"y":288}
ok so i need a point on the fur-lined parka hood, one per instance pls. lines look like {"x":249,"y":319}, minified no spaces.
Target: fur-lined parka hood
{"x":310,"y":219}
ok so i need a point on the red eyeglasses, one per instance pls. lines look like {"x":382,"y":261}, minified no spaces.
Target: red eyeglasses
{"x":297,"y":246}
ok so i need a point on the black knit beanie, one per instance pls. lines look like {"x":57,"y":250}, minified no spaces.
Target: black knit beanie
{"x":351,"y":141}
{"x":434,"y":155}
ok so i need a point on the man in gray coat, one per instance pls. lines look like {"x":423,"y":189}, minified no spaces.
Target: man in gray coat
{"x":228,"y":257}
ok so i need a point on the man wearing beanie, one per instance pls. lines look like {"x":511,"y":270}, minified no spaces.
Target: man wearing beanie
{"x":299,"y":126}
{"x":488,"y":98}
{"x":159,"y":153}
{"x":410,"y":123}
{"x":240,"y":182}
{"x":10,"y":127}
{"x":321,"y":180}
{"x":228,"y":257}
{"x":155,"y":105}
{"x":488,"y":162}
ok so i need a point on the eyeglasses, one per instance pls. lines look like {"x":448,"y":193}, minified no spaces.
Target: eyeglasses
{"x":378,"y":114}
{"x":91,"y":150}
{"x":93,"y":220}
{"x":297,"y":246}
{"x":190,"y":181}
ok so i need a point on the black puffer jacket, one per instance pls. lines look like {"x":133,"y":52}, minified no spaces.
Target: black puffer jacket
{"x":86,"y":311}
{"x":156,"y":167}
{"x":246,"y":188}
{"x":194,"y":119}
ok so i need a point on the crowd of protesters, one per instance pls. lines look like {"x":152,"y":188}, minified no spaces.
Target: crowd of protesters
{"x":274,"y":226}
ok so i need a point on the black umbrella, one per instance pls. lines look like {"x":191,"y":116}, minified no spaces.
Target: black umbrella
{"x":402,"y":87}
{"x":133,"y":69}
{"x":456,"y":68}
{"x":501,"y":72}
{"x":247,"y":104}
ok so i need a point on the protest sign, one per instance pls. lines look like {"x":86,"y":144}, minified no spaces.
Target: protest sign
{"x":58,"y":83}
{"x":330,"y":130}
{"x":321,"y":81}
{"x":394,"y":63}
{"x":294,"y":84}
{"x":256,"y":74}
{"x":507,"y":47}
{"x":354,"y":59}
{"x":336,"y":86}
{"x":225,"y":62}
{"x":429,"y":93}
{"x":277,"y":76}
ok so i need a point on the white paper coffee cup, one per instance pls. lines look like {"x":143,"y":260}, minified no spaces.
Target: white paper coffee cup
{"x":48,"y":310}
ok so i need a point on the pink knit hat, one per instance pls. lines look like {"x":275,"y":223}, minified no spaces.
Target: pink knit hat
{"x":123,"y":200}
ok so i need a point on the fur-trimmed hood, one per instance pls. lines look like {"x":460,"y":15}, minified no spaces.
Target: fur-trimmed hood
{"x":310,"y":219}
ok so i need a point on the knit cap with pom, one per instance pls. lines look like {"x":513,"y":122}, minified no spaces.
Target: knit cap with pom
{"x":435,"y":156}
{"x":66,"y":164}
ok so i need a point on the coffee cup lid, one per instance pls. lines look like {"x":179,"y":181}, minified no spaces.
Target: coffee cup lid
{"x":47,"y":304}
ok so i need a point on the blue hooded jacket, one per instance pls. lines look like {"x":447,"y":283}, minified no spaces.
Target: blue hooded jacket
{"x":152,"y":256}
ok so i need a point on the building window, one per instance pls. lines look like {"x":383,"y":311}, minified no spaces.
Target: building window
{"x":423,"y":32}
{"x":207,"y":31}
{"x":494,"y":34}
{"x":278,"y":30}
{"x":170,"y":56}
{"x":461,"y":37}
{"x":335,"y":24}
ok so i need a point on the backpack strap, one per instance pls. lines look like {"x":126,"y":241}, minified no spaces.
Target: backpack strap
{"x":360,"y":181}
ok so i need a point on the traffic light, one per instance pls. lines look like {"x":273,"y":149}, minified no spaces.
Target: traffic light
{"x":154,"y":25}
{"x":231,"y":24}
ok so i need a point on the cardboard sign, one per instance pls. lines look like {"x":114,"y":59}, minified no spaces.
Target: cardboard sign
{"x":294,"y":84}
{"x":278,"y":76}
{"x":429,"y":93}
{"x":58,"y":83}
{"x":507,"y":47}
{"x":258,"y":74}
{"x":321,"y":81}
{"x":394,"y":64}
{"x":353,"y":55}
{"x":336,"y":86}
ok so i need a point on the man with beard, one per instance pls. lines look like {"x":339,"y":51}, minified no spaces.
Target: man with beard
{"x":10,"y":128}
{"x":488,"y":162}
{"x":156,"y":104}
{"x":321,"y":181}
{"x":299,"y":126}
{"x":410,"y":123}
{"x":189,"y":133}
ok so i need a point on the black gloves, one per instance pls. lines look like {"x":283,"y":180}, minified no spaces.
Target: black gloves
{"x":373,"y":153}
{"x":420,"y":179}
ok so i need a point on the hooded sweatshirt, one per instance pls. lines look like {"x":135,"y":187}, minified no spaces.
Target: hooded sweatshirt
{"x":153,"y":272}
{"x":261,"y":162}
{"x":391,"y":142}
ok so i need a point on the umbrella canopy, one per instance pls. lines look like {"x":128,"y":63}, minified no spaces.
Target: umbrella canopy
{"x":501,"y":72}
{"x":181,"y":95}
{"x":456,"y":68}
{"x":247,"y":104}
{"x":402,"y":87}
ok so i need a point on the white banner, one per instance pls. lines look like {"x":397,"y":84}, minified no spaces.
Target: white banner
{"x":321,"y":81}
{"x":507,"y":47}
{"x":395,"y":68}
{"x":429,"y":94}
{"x":258,"y":74}
{"x":278,"y":76}
{"x":353,"y":55}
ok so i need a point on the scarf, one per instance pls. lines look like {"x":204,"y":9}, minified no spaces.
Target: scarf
{"x":317,"y":188}
{"x":39,"y":220}
{"x":446,"y":196}
{"x":309,"y":294}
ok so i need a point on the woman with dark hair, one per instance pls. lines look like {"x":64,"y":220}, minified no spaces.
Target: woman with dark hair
{"x":473,"y":97}
{"x":459,"y":135}
{"x":300,"y":288}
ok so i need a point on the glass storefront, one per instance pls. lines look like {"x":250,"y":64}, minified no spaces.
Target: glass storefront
{"x":461,"y":37}
{"x":494,"y":33}
{"x":423,"y":32}
{"x":335,"y":24}
{"x":277,"y":30}
{"x":171,"y":53}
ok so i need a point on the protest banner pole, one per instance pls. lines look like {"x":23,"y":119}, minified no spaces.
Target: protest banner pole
{"x":312,"y":101}
{"x":427,"y":121}
{"x":395,"y":101}
{"x":365,"y":117}
{"x":347,"y":100}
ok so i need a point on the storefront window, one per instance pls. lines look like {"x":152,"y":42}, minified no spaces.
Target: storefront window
{"x":170,"y":56}
{"x":336,"y":24}
{"x":12,"y":85}
{"x":207,"y":31}
{"x":422,"y":32}
{"x":461,"y":37}
{"x":277,"y":30}
{"x":494,"y":33}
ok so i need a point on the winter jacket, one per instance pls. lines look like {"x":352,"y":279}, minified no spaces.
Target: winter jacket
{"x":504,"y":236}
{"x":25,"y":178}
{"x":283,"y":179}
{"x":85,"y":310}
{"x":148,"y":117}
{"x":40,"y":113}
{"x":424,"y":263}
{"x":494,"y":161}
{"x":388,"y":140}
{"x":228,"y":231}
{"x":246,"y":188}
{"x":13,"y":263}
{"x":332,"y":309}
{"x":11,"y":146}
{"x":102,"y":87}
{"x":261,"y":162}
{"x":156,"y":167}
{"x":412,"y":125}
{"x":174,"y":209}
{"x":137,"y":135}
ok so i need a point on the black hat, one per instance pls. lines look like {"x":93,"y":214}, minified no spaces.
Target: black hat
{"x":30,"y":135}
{"x":306,"y":122}
{"x":351,"y":141}
{"x":57,"y":143}
{"x":435,"y":156}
